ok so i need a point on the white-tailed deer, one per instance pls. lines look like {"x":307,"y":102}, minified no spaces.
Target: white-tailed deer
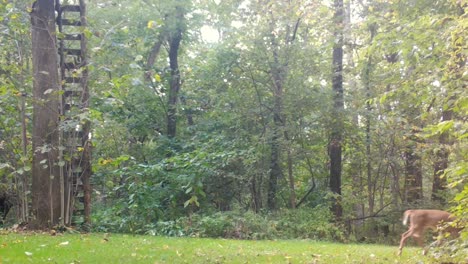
{"x":420,"y":220}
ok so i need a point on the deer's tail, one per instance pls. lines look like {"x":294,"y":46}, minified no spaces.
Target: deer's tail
{"x":406,"y":217}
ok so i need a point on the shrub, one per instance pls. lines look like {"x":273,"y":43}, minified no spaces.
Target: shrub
{"x":285,"y":224}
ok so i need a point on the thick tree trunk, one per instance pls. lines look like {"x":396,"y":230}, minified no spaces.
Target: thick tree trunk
{"x":45,"y":137}
{"x":335,"y":145}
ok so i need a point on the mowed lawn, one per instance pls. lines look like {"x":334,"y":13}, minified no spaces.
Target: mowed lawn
{"x":118,"y":248}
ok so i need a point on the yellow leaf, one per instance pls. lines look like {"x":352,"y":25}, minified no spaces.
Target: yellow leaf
{"x":157,"y":77}
{"x":150,"y":24}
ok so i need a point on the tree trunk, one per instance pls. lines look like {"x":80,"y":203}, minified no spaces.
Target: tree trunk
{"x":368,"y":116}
{"x":23,"y":185}
{"x":292,"y":190}
{"x":275,"y":166}
{"x":335,"y":147}
{"x":174,"y":43}
{"x":45,"y":135}
{"x":278,"y":75}
{"x":256,"y":192}
{"x":441,"y":164}
{"x":413,"y":177}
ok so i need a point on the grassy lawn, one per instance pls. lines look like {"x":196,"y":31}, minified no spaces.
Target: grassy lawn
{"x":118,"y":248}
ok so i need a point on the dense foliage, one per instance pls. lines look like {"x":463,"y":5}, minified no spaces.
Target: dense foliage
{"x":255,"y":98}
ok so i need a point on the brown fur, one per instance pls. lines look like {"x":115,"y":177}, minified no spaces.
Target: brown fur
{"x":421,"y":220}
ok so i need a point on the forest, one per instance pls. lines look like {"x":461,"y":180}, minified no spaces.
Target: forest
{"x":244,"y":119}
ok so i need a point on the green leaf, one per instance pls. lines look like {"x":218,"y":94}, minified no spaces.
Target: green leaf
{"x":444,"y":126}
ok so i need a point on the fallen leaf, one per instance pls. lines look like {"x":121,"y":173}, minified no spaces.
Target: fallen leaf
{"x":64,"y":243}
{"x":28,"y":253}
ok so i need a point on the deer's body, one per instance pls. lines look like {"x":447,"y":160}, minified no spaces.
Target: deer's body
{"x":420,"y":221}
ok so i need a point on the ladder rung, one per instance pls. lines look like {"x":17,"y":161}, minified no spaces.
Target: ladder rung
{"x":71,"y":65}
{"x":71,"y":37}
{"x":70,"y":93}
{"x":75,"y":89}
{"x":71,"y":22}
{"x":76,"y":52}
{"x":71,"y":8}
{"x":72,"y":79}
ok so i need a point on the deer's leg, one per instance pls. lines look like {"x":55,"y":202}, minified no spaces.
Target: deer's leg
{"x":420,"y":240}
{"x":404,"y":237}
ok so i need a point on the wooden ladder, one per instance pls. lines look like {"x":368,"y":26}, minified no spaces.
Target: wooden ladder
{"x":71,"y":22}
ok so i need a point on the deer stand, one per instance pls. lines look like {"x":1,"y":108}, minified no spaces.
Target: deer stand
{"x":75,"y":126}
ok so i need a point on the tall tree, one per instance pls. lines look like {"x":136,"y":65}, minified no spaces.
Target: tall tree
{"x":278,"y":76}
{"x":45,"y":137}
{"x":335,"y":144}
{"x":174,"y":43}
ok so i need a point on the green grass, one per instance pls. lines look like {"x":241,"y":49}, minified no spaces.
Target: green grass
{"x":118,"y":248}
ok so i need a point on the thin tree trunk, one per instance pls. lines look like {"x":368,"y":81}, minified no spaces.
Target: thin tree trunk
{"x":292,"y":190}
{"x":413,"y":177}
{"x":23,"y":184}
{"x":45,"y":136}
{"x":357,"y":186}
{"x":275,"y":167}
{"x":277,"y":74}
{"x":368,"y":116}
{"x":174,"y":87}
{"x":154,"y":52}
{"x":335,"y":145}
{"x":174,"y":43}
{"x":441,"y":163}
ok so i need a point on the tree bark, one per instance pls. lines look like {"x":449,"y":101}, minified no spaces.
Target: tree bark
{"x":292,"y":189}
{"x":154,"y":52}
{"x":335,"y":145}
{"x":277,"y":75}
{"x":174,"y":44}
{"x":45,"y":135}
{"x":413,"y":177}
{"x":371,"y":182}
